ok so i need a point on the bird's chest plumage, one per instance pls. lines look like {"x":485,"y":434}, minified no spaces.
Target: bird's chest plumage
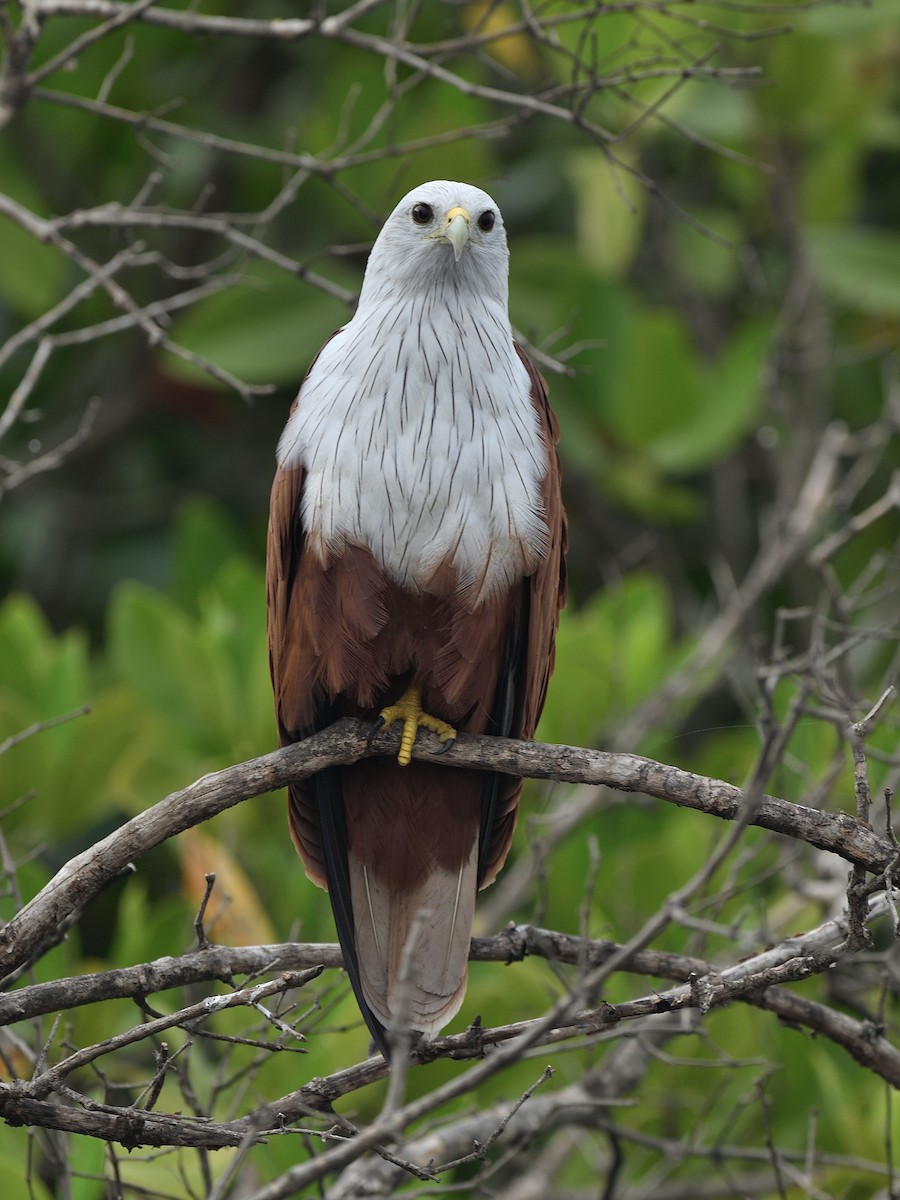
{"x":419,"y":440}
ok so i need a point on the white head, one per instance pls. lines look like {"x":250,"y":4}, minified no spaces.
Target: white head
{"x":441,"y":235}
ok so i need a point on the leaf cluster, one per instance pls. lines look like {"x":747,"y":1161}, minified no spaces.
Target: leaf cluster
{"x":702,"y":213}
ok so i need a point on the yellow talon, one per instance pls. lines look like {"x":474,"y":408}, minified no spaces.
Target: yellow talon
{"x":408,"y":709}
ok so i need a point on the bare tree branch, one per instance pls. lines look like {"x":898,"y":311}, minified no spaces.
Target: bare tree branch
{"x":346,"y":742}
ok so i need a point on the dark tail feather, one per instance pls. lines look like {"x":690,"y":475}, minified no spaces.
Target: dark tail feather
{"x":329,"y":802}
{"x":505,"y":714}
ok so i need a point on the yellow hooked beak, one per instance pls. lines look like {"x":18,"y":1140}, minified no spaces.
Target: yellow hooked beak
{"x":456,"y":231}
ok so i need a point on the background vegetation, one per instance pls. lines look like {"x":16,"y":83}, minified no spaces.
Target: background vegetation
{"x":702,"y":205}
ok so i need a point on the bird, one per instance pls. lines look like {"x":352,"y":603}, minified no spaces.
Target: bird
{"x":415,"y":574}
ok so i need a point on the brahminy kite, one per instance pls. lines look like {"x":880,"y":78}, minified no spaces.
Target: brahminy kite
{"x":415,"y":574}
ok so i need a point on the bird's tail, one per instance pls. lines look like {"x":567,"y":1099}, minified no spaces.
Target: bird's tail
{"x":412,"y":945}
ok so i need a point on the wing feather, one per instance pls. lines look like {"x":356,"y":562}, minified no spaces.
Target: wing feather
{"x":528,"y":648}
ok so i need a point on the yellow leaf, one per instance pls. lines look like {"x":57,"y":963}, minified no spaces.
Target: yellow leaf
{"x":515,"y":51}
{"x":235,"y":915}
{"x":610,"y":209}
{"x":16,"y":1062}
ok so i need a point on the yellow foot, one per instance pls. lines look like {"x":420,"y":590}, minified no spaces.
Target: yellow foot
{"x":408,"y":709}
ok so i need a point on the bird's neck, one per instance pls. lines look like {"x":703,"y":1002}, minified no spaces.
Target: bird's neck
{"x":433,"y":280}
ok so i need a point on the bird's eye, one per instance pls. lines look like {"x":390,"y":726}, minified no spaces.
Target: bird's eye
{"x":486,"y":220}
{"x":422,"y":214}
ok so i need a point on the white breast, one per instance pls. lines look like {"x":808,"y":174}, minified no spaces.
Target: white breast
{"x":419,"y":440}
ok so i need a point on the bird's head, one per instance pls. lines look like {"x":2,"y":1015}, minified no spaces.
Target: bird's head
{"x":441,"y":233}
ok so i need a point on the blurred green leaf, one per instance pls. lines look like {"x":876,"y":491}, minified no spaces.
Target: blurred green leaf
{"x":657,"y":387}
{"x":729,"y":405}
{"x":42,"y":677}
{"x":233,"y":623}
{"x":147,"y":927}
{"x":33,"y":272}
{"x":49,"y":672}
{"x":88,"y":1158}
{"x":17,"y":1184}
{"x":831,"y":182}
{"x":672,"y":408}
{"x":203,"y":540}
{"x":842,"y":20}
{"x":205,"y":677}
{"x":153,"y":646}
{"x":635,"y":482}
{"x":266,"y":329}
{"x":709,"y":265}
{"x":610,"y":654}
{"x":722,"y":113}
{"x":859,"y":266}
{"x":610,"y":204}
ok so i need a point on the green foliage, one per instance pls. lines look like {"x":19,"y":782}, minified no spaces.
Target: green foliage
{"x":33,"y":274}
{"x":627,"y":629}
{"x":691,"y":414}
{"x":12,"y":1180}
{"x":180,"y":688}
{"x":43,"y":678}
{"x":859,"y":266}
{"x":694,"y":307}
{"x":252,"y":329}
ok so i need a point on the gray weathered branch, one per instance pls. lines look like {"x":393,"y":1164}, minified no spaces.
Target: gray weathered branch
{"x":84,"y":876}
